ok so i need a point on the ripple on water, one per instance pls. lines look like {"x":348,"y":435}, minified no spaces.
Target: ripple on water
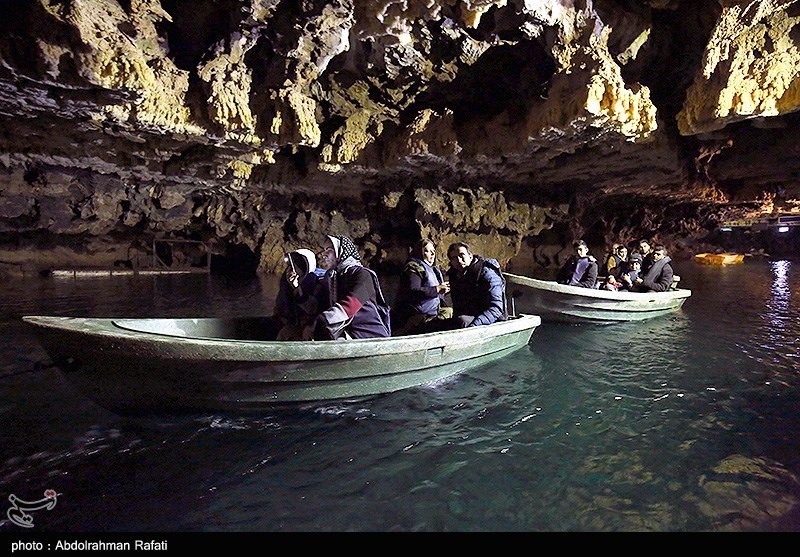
{"x":686,"y":422}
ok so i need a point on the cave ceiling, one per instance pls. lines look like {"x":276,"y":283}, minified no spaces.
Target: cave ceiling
{"x":178,"y":115}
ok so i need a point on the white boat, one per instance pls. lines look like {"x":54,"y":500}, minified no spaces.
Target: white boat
{"x":171,"y":365}
{"x":559,"y":302}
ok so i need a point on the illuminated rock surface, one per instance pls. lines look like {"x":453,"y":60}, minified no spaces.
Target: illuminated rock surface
{"x":514,"y":124}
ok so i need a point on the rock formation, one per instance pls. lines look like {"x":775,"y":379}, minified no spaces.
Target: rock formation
{"x":514,"y":124}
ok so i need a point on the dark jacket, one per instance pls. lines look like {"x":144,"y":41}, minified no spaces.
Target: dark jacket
{"x":579,"y":272}
{"x":417,"y":293}
{"x":298,"y":306}
{"x":632,"y":276}
{"x":614,"y":265}
{"x":659,"y":277}
{"x":479,"y":291}
{"x":647,"y":262}
{"x":352,"y":302}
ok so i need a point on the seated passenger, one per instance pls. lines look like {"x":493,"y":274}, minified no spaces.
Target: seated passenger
{"x":612,"y":283}
{"x":615,"y":259}
{"x":614,"y":267}
{"x":350,"y":296}
{"x":647,"y":254}
{"x":420,"y":296}
{"x":630,"y":271}
{"x":477,"y":288}
{"x":296,"y":303}
{"x":580,"y":269}
{"x":659,"y":277}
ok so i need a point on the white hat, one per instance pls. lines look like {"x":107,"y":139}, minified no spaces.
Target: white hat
{"x":304,"y":261}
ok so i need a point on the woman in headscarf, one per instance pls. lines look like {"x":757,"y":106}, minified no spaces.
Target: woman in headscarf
{"x":420,"y":296}
{"x":351,"y":299}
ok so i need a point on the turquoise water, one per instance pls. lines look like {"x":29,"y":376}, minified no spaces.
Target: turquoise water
{"x":689,"y":422}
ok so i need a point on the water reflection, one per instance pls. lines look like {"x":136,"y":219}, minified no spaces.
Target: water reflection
{"x":687,"y":422}
{"x":780,"y":289}
{"x":775,"y":342}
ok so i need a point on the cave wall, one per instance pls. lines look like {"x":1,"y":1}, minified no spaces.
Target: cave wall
{"x":517,"y":125}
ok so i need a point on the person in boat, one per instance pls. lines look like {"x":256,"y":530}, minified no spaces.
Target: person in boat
{"x":349,"y":295}
{"x":477,"y":289}
{"x":580,"y":269}
{"x":614,"y":267}
{"x":615,"y":259}
{"x":296,"y":302}
{"x":646,"y":249}
{"x":630,"y":271}
{"x":659,"y":277}
{"x":421,"y":294}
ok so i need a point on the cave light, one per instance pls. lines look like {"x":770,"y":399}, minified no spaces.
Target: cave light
{"x":783,"y":229}
{"x":725,"y":229}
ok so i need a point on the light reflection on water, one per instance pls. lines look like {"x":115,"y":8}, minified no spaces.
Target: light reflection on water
{"x":686,"y":422}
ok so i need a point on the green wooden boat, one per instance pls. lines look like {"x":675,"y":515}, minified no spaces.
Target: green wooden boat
{"x":574,"y":304}
{"x":131,"y":366}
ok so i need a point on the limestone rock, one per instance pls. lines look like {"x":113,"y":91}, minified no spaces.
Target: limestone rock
{"x":751,"y":67}
{"x":255,"y":123}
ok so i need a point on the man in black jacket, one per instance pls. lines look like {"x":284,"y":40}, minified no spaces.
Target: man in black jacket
{"x":659,"y":277}
{"x":477,"y":287}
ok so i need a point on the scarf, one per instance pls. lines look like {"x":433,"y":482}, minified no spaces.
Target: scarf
{"x":344,"y":248}
{"x":346,"y":256}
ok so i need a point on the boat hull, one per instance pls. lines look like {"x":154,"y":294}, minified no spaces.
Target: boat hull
{"x":165,"y":365}
{"x":573,"y":304}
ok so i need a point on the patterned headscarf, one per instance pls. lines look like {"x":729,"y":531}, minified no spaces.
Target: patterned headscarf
{"x":346,"y":255}
{"x":344,"y":248}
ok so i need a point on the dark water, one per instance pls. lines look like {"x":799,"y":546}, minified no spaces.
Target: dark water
{"x":685,"y":423}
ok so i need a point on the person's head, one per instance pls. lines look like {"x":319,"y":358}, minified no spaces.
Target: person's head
{"x":425,"y":250}
{"x":336,"y":249}
{"x":460,"y":255}
{"x":635,"y":261}
{"x":327,"y":254}
{"x":644,"y":246}
{"x":302,"y":261}
{"x":581,"y":248}
{"x":622,"y":251}
{"x":659,"y":252}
